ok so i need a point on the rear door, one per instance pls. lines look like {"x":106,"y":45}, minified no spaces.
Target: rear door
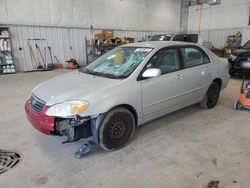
{"x":196,"y":73}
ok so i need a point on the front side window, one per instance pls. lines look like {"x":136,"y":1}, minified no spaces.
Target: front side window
{"x":118,"y":63}
{"x":193,"y":57}
{"x":167,"y":60}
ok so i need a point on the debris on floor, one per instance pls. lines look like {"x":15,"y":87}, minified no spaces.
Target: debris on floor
{"x":216,"y":184}
{"x":215,"y":161}
{"x":213,"y":184}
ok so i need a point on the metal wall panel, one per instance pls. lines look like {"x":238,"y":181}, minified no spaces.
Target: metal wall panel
{"x":245,"y":35}
{"x":69,"y":43}
{"x":65,"y":42}
{"x":218,"y":37}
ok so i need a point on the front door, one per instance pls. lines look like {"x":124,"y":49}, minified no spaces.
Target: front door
{"x":164,"y":93}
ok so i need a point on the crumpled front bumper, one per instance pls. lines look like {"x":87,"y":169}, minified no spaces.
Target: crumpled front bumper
{"x":41,"y":121}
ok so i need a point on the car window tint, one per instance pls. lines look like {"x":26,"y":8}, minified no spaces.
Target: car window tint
{"x":205,"y":58}
{"x":179,"y":38}
{"x":167,"y":60}
{"x":193,"y":57}
{"x":160,"y":38}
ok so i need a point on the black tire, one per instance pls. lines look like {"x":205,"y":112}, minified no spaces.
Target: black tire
{"x":232,"y":72}
{"x":212,"y":96}
{"x":237,"y":105}
{"x":117,"y":129}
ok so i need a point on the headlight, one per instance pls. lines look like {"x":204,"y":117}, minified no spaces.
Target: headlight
{"x":68,"y":108}
{"x":233,"y":57}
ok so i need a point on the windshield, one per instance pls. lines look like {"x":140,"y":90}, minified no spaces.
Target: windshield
{"x":160,"y":38}
{"x":246,"y":45}
{"x":117,"y":63}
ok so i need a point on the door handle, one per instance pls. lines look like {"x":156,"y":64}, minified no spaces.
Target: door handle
{"x":179,"y":76}
{"x":206,"y":70}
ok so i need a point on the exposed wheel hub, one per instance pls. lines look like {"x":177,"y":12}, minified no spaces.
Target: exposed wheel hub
{"x":213,"y":96}
{"x":116,"y":130}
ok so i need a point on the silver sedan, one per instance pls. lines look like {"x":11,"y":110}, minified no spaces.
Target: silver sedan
{"x":125,"y":88}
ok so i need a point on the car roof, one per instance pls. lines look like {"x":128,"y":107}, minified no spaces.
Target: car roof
{"x":171,"y":34}
{"x":159,"y":44}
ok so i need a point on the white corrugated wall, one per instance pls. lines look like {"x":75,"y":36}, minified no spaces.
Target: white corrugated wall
{"x":218,"y":37}
{"x":69,"y":43}
{"x":65,"y":42}
{"x":217,"y":22}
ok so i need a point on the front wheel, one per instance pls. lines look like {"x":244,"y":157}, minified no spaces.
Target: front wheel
{"x":212,"y":96}
{"x":117,"y":129}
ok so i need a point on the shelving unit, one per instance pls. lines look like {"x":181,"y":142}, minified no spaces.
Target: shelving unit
{"x":233,"y":42}
{"x":93,"y":51}
{"x":6,"y":55}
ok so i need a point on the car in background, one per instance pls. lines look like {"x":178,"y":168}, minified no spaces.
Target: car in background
{"x":125,"y":88}
{"x":237,"y":57}
{"x":174,"y":37}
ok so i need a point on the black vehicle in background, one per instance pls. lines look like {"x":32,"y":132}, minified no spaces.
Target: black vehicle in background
{"x":237,"y":57}
{"x":174,"y":37}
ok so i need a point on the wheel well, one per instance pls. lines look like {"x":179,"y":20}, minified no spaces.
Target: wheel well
{"x":218,"y":81}
{"x":131,"y":109}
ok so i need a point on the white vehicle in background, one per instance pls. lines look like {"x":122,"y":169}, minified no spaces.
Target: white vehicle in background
{"x":124,"y":88}
{"x":181,"y":37}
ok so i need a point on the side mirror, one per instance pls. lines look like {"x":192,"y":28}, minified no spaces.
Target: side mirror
{"x":245,"y":65}
{"x":152,"y":72}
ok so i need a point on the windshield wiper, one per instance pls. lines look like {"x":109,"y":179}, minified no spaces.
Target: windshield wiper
{"x":109,"y":75}
{"x":92,"y":72}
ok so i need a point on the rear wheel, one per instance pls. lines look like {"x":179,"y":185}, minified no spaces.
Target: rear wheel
{"x":212,"y":96}
{"x":117,"y":129}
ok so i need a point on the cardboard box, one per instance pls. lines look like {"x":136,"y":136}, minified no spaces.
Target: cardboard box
{"x":108,"y":33}
{"x":99,"y":36}
{"x":108,"y":40}
{"x":129,"y":39}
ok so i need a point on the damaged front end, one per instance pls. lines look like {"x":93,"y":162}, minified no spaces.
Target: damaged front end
{"x":79,"y":127}
{"x":74,"y":128}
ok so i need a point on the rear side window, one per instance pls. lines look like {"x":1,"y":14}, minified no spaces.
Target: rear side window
{"x":193,"y":57}
{"x":179,"y":38}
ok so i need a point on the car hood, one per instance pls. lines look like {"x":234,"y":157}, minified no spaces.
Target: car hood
{"x":70,"y":86}
{"x":242,"y":52}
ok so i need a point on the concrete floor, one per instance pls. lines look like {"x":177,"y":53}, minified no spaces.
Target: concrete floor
{"x":186,"y":149}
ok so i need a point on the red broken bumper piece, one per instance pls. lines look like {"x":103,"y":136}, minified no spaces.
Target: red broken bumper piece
{"x":41,"y":121}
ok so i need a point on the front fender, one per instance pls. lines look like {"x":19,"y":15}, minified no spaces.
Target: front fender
{"x":128,"y":93}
